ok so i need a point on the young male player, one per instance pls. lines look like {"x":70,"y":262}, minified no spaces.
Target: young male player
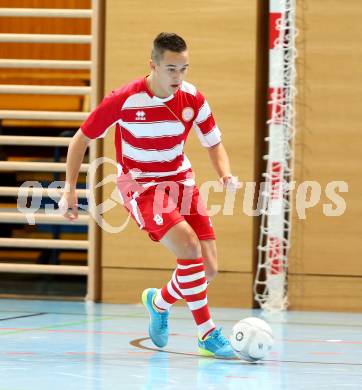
{"x":153,"y":117}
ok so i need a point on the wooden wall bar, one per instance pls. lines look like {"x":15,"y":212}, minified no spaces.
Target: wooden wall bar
{"x":22,"y":25}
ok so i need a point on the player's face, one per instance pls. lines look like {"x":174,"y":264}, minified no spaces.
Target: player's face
{"x":170,"y":72}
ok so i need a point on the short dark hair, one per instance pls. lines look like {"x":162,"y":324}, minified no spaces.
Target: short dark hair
{"x":167,"y":41}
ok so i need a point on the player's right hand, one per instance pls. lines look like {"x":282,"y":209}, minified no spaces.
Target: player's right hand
{"x":68,"y":205}
{"x":230,"y":182}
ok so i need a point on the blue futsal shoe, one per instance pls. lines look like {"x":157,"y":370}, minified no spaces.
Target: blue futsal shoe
{"x":216,"y":345}
{"x":158,"y":328}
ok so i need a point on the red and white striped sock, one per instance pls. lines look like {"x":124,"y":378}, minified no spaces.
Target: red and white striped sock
{"x":168,"y":295}
{"x":190,"y":275}
{"x":171,"y":293}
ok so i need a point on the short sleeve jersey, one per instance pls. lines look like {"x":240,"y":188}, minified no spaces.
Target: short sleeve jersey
{"x":151,"y":132}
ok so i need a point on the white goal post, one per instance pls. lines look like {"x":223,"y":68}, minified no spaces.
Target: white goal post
{"x":270,"y":285}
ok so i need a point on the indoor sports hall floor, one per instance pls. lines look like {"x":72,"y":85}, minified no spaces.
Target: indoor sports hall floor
{"x":74,"y":345}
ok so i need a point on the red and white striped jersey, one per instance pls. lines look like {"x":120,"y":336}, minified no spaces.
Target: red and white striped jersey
{"x":151,"y":132}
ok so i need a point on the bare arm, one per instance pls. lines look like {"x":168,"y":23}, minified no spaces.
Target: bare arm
{"x":77,"y":148}
{"x":220,"y":161}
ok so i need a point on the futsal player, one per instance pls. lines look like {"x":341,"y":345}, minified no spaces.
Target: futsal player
{"x":153,"y":117}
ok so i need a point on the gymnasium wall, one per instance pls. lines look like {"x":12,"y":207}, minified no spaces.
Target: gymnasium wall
{"x":222,"y":45}
{"x":325,"y":265}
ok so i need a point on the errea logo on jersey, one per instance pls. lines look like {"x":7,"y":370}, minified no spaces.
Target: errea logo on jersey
{"x":140,"y":116}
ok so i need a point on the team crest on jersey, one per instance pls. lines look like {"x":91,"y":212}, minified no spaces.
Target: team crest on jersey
{"x":187,"y":114}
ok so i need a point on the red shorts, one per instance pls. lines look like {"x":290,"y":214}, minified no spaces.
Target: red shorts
{"x":160,"y":207}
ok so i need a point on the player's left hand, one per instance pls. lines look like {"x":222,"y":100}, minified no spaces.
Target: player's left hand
{"x":230,"y":182}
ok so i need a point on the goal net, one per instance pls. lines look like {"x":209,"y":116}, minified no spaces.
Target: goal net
{"x":270,"y":286}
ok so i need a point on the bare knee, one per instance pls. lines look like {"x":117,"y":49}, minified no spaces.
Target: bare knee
{"x":211,"y":270}
{"x":182,"y":241}
{"x":190,"y":247}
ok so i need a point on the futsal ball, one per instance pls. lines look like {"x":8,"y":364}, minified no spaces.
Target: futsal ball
{"x":251,"y":339}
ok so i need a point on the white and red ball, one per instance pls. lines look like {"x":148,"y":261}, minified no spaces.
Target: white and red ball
{"x":251,"y":339}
